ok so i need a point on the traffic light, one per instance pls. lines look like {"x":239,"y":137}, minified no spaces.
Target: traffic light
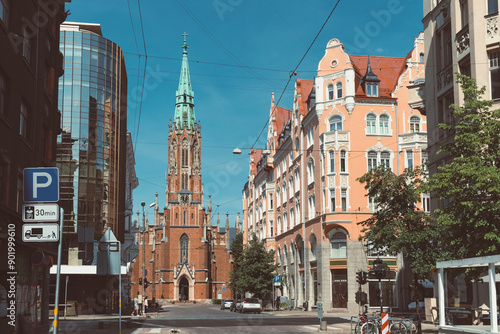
{"x":140,"y":281}
{"x":364,"y":278}
{"x":361,"y":297}
{"x":379,"y":269}
{"x":359,"y":276}
{"x":146,"y":283}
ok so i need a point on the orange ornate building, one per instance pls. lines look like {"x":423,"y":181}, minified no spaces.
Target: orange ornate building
{"x":184,"y":254}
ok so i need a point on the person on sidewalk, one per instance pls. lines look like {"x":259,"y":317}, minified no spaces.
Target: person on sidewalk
{"x":136,"y":306}
{"x":146,"y":304}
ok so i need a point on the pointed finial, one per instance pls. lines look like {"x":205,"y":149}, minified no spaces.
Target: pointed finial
{"x":185,"y":46}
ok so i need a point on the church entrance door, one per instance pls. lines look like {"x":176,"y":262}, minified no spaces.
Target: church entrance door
{"x":184,"y":288}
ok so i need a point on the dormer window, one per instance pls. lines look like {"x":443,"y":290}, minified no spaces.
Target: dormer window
{"x":371,"y":89}
{"x":370,"y":82}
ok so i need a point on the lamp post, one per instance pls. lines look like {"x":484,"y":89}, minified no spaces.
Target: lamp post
{"x":143,"y":204}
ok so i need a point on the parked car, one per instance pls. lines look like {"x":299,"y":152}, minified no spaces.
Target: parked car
{"x":226,"y":304}
{"x":235,"y":304}
{"x":250,"y":305}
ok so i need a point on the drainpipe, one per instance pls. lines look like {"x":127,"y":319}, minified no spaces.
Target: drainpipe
{"x":302,"y":196}
{"x":397,"y":134}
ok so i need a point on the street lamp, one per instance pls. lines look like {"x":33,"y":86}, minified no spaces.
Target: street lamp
{"x":143,"y":204}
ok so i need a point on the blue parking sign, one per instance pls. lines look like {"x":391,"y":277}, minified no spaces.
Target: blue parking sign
{"x":41,"y":184}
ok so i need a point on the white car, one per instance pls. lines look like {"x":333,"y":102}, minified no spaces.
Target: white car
{"x":250,"y":305}
{"x":226,"y":304}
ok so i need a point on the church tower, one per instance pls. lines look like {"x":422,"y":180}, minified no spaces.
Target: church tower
{"x":182,"y":260}
{"x":184,"y":186}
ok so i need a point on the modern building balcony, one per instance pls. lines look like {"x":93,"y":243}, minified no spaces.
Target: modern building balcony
{"x":416,"y":95}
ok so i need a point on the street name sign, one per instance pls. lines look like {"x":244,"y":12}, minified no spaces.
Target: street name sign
{"x":41,"y":184}
{"x":40,"y":213}
{"x":45,"y":232}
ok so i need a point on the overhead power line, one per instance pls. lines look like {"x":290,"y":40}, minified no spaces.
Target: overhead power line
{"x":294,"y":72}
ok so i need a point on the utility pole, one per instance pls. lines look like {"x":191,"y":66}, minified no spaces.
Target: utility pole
{"x":143,"y":204}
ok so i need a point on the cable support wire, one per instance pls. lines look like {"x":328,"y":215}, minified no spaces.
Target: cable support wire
{"x":294,"y":72}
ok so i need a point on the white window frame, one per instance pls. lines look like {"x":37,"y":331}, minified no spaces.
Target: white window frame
{"x":335,"y":123}
{"x":343,"y":161}
{"x":384,"y":124}
{"x":331,"y":161}
{"x":372,"y":160}
{"x":338,"y":246}
{"x":494,"y":68}
{"x":372,"y":89}
{"x":344,"y":199}
{"x":310,"y":171}
{"x":410,"y":160}
{"x":338,"y":89}
{"x":371,"y":124}
{"x":333,"y":202}
{"x":330,"y":92}
{"x":415,"y":125}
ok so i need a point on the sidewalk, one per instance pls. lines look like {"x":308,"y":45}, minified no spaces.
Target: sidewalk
{"x":428,"y":328}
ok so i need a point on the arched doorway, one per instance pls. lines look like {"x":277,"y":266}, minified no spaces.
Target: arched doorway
{"x":184,"y":288}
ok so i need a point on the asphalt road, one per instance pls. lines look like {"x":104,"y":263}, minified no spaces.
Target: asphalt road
{"x":201,"y":318}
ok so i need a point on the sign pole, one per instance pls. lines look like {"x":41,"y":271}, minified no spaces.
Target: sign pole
{"x":58,"y":276}
{"x":120,"y":286}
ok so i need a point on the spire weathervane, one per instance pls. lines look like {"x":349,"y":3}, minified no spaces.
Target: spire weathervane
{"x":185,"y":46}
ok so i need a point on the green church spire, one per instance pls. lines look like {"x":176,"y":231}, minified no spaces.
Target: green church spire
{"x":184,"y":103}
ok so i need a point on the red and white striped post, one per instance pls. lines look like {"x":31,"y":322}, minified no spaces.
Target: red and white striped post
{"x":385,"y":323}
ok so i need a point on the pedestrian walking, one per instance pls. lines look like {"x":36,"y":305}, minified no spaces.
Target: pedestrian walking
{"x":136,"y":306}
{"x":146,"y":304}
{"x":184,"y":298}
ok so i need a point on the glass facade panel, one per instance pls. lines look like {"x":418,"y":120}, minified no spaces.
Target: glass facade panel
{"x":88,"y":103}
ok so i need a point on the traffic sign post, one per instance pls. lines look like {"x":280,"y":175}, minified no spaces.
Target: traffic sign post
{"x":40,"y":213}
{"x":40,"y":232}
{"x":41,"y":184}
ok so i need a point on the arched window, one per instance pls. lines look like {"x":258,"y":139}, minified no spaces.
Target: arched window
{"x":371,"y":124}
{"x":292,"y":218}
{"x":421,"y":58}
{"x":185,"y":154}
{"x":310,"y":171}
{"x":339,"y":90}
{"x":285,"y":222}
{"x":336,"y":123}
{"x":184,"y":246}
{"x":331,"y":155}
{"x":278,"y":225}
{"x":184,"y":218}
{"x":384,"y":124}
{"x":285,"y":197}
{"x":330,"y":92}
{"x":297,"y":147}
{"x":312,"y":241}
{"x":184,"y":180}
{"x":385,"y":159}
{"x":414,"y":124}
{"x":343,"y":161}
{"x":372,"y":160}
{"x":338,"y":242}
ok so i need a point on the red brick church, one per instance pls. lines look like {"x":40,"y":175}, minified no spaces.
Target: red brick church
{"x":185,"y":255}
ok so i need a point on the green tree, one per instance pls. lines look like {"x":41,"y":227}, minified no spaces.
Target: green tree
{"x":469,"y":183}
{"x":236,"y":276}
{"x":258,"y":268}
{"x":397,"y":225}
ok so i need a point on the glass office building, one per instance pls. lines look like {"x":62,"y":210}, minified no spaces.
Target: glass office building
{"x":92,"y":144}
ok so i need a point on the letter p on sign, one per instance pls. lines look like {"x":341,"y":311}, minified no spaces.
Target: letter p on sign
{"x":41,"y":184}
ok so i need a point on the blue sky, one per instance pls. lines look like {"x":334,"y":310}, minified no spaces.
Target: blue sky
{"x":240,"y":52}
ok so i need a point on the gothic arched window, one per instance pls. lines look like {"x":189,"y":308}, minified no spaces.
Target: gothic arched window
{"x":185,"y":153}
{"x":184,"y":243}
